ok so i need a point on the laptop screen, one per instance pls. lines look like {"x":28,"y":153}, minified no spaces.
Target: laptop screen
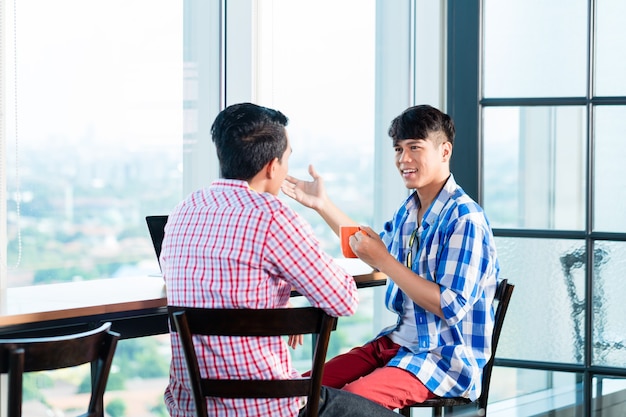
{"x":156,"y":227}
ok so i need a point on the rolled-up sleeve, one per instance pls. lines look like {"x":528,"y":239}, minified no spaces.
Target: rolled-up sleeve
{"x":460,"y":276}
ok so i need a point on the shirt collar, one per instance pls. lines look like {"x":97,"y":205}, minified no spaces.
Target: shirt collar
{"x":449,"y":188}
{"x":224,"y":183}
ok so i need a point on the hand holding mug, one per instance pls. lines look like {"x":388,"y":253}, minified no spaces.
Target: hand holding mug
{"x":344,"y":234}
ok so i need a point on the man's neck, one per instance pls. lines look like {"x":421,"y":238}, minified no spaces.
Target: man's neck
{"x":428,"y":194}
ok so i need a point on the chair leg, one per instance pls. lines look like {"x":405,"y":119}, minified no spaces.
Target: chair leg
{"x":406,"y":412}
{"x":437,"y":411}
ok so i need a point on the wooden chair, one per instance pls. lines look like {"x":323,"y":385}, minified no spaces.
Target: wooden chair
{"x":503,"y":296}
{"x":253,"y":322}
{"x":96,"y":347}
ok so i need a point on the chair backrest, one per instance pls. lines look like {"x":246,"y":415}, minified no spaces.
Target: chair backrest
{"x":253,"y":322}
{"x":503,"y":296}
{"x":96,"y":347}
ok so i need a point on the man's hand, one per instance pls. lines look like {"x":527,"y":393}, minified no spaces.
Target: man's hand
{"x":312,"y":194}
{"x":308,"y":193}
{"x":295,"y":340}
{"x":369,"y":247}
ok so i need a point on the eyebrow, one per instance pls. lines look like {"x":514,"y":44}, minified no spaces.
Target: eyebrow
{"x":397,"y":142}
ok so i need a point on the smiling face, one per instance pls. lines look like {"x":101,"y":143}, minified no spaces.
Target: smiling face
{"x":424,"y":164}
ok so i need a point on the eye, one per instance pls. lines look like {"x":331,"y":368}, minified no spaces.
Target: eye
{"x":397,"y":149}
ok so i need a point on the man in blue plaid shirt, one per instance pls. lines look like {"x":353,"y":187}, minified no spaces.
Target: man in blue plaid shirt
{"x":439,"y":254}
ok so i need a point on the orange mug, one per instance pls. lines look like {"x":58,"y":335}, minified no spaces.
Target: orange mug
{"x":344,"y":234}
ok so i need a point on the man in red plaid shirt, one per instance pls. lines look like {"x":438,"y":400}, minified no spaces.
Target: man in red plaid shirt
{"x":236,"y":245}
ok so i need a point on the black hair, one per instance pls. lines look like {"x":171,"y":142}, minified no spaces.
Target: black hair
{"x":418,"y":121}
{"x":247,"y":137}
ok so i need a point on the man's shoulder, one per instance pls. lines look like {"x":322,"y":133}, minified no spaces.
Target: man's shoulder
{"x":460,"y":208}
{"x":465,"y":204}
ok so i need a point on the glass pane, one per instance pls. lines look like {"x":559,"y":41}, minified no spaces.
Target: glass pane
{"x":323,"y":80}
{"x":609,"y":309}
{"x":526,"y":392}
{"x":544,"y":321}
{"x":527,"y":43}
{"x":139,"y":375}
{"x":58,"y":392}
{"x":94,"y":135}
{"x":610,"y":170}
{"x":610,"y":48}
{"x":534,"y":167}
{"x":609,"y":396}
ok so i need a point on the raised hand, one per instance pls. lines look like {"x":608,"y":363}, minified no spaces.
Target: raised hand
{"x":311,"y":194}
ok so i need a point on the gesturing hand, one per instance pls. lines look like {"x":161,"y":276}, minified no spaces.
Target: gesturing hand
{"x":308,"y":193}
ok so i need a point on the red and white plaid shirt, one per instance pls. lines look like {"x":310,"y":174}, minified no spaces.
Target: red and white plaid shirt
{"x":228,"y":246}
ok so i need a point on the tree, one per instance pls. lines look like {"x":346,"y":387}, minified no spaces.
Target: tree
{"x":116,"y":408}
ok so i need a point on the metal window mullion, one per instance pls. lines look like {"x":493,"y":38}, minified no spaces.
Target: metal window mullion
{"x":589,"y":242}
{"x":463,"y":95}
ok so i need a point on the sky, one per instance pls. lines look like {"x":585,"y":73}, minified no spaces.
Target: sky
{"x":86,"y":68}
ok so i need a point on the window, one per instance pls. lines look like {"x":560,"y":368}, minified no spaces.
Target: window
{"x":93,"y":135}
{"x":330,"y":86}
{"x":108,"y":117}
{"x":550,"y":112}
{"x":326,"y":86}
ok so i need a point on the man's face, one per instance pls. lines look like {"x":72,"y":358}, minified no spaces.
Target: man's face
{"x":423,"y":162}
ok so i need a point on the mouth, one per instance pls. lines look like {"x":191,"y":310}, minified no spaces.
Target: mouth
{"x":408,"y":172}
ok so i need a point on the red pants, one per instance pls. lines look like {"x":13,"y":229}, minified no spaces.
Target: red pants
{"x":362,"y":371}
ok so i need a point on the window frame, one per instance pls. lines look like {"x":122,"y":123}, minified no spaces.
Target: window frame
{"x":467,"y":103}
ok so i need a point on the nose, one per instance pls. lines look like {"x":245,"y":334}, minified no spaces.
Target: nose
{"x":404,"y":156}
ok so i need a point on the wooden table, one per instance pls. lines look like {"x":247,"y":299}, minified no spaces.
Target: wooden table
{"x":136,"y":306}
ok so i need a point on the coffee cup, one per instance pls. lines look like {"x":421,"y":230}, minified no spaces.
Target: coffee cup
{"x":344,"y":234}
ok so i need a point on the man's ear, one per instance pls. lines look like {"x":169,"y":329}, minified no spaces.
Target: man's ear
{"x":446,"y":151}
{"x":270,"y":168}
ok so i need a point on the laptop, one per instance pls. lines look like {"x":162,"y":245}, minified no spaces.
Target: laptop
{"x":156,"y":227}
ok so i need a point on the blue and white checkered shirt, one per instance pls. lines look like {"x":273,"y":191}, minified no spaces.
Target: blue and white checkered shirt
{"x":457,"y":251}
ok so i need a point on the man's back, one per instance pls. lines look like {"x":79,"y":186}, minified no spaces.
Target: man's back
{"x":230,"y":247}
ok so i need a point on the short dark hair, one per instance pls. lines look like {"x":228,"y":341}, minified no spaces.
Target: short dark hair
{"x":418,"y":121}
{"x":247,"y":137}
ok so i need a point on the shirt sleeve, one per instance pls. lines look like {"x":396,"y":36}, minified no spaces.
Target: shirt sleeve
{"x":297,"y":257}
{"x":464,"y":263}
